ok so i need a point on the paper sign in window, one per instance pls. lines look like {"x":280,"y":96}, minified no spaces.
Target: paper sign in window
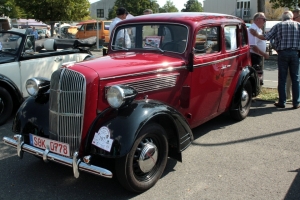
{"x":152,"y":41}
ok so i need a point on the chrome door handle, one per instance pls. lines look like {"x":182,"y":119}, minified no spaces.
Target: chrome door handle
{"x":58,"y":59}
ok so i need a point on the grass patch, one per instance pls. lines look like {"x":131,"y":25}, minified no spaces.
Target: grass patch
{"x":268,"y":94}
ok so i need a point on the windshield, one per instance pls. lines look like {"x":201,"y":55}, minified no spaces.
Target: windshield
{"x":9,"y":43}
{"x":164,"y":37}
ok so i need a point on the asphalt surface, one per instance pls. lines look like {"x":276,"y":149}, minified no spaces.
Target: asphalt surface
{"x":257,"y":158}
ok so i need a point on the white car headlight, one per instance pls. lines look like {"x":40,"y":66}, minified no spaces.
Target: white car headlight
{"x":120,"y":95}
{"x":32,"y":87}
{"x":37,"y":85}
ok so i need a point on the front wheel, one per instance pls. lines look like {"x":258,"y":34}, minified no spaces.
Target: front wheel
{"x":243,"y":109}
{"x":6,"y":105}
{"x":142,"y":167}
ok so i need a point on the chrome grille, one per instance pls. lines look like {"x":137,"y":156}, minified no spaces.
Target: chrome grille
{"x":67,"y":100}
{"x":152,"y":84}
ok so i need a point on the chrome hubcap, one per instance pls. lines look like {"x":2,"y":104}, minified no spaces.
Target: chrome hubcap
{"x":245,"y":98}
{"x":148,"y":157}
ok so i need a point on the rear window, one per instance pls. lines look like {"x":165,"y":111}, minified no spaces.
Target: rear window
{"x":106,"y":25}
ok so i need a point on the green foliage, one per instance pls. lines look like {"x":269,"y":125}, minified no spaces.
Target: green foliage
{"x":192,"y":6}
{"x":51,"y":11}
{"x":9,"y":8}
{"x":134,"y":7}
{"x":168,"y":7}
{"x":285,"y":3}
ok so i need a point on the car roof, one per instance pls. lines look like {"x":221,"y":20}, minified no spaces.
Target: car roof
{"x":187,"y":18}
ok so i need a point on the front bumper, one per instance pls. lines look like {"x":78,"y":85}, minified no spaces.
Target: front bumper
{"x":75,"y":163}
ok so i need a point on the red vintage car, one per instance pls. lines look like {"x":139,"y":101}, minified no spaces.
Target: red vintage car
{"x":135,"y":107}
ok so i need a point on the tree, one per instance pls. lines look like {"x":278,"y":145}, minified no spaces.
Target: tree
{"x":271,"y":13}
{"x":192,"y":6}
{"x":291,"y":4}
{"x":51,"y":11}
{"x":9,"y":8}
{"x":168,"y":7}
{"x":134,"y":7}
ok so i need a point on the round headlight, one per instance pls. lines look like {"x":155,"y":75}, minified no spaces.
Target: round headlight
{"x":32,"y":87}
{"x":115,"y":96}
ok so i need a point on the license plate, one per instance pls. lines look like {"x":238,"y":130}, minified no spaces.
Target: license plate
{"x":53,"y":146}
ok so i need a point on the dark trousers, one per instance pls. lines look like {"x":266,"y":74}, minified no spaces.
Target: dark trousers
{"x":258,"y":66}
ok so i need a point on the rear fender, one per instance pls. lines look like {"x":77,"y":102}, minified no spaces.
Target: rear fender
{"x":125,"y":124}
{"x":248,"y":73}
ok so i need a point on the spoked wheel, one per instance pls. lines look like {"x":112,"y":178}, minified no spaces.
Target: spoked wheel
{"x":142,"y":167}
{"x":6,"y":106}
{"x":245,"y":102}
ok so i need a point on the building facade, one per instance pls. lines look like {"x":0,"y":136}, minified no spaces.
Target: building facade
{"x":244,"y":9}
{"x":100,"y":9}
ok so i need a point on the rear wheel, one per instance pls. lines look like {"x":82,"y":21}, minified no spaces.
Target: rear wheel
{"x":142,"y":167}
{"x":245,"y":102}
{"x":6,"y":105}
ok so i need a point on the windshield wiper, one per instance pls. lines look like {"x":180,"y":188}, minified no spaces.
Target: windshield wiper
{"x":120,"y":47}
{"x":154,"y":46}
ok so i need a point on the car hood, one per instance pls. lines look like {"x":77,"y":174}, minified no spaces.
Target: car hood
{"x":7,"y":59}
{"x":131,"y":63}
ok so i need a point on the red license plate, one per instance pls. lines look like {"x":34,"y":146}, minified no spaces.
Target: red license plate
{"x":53,"y":146}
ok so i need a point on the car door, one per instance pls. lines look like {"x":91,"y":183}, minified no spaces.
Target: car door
{"x":38,"y":67}
{"x":90,"y":30}
{"x":230,"y":64}
{"x":207,"y":78}
{"x":81,"y":31}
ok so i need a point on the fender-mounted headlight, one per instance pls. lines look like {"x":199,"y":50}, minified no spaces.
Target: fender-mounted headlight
{"x":37,"y":85}
{"x":120,"y":95}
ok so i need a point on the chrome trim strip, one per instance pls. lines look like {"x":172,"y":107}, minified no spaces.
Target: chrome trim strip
{"x":215,"y":62}
{"x":169,"y":69}
{"x":58,"y":158}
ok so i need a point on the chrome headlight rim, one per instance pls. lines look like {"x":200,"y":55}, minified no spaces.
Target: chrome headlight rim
{"x":119,"y":96}
{"x":115,"y":96}
{"x":32,"y":86}
{"x":37,"y":85}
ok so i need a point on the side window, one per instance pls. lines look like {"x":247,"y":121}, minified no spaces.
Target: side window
{"x":99,"y":24}
{"x":89,"y":27}
{"x":244,"y":36}
{"x":207,"y":40}
{"x":230,"y":37}
{"x":82,"y":27}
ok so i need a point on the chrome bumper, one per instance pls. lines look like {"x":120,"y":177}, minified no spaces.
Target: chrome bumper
{"x":75,"y":163}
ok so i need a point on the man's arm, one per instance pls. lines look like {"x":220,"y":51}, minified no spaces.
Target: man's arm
{"x":255,"y":34}
{"x":258,"y":51}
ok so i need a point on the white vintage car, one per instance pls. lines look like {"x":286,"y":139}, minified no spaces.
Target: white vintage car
{"x":19,"y":61}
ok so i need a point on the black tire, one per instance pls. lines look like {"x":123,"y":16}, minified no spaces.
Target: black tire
{"x":6,"y":105}
{"x":140,"y":176}
{"x":245,"y":103}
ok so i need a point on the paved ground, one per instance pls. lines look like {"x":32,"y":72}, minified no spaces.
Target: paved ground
{"x":255,"y":159}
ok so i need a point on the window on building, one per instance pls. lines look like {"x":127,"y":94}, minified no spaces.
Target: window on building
{"x":243,"y":4}
{"x":100,"y":13}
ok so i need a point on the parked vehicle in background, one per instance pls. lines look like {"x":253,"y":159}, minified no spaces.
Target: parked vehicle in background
{"x":41,"y":33}
{"x":67,"y":32}
{"x":129,"y":111}
{"x":89,"y":29}
{"x":19,"y":61}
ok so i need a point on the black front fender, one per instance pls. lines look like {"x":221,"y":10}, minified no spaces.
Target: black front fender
{"x":125,"y":124}
{"x":33,"y":117}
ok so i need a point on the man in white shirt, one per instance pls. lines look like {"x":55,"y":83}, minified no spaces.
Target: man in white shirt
{"x":258,"y":47}
{"x":122,"y":34}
